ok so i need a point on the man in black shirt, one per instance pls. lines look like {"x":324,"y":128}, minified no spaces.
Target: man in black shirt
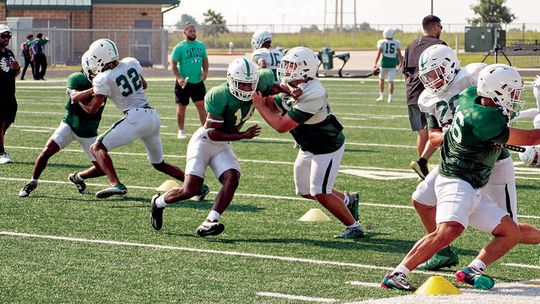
{"x":9,"y":69}
{"x":432,"y":31}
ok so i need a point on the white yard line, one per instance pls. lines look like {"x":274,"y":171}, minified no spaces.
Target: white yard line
{"x":209,"y":251}
{"x":521,"y":265}
{"x":295,"y":297}
{"x":364,"y":284}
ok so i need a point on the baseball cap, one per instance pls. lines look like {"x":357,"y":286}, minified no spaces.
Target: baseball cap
{"x":4,"y":28}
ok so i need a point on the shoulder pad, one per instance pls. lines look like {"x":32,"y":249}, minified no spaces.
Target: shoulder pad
{"x":427,"y":102}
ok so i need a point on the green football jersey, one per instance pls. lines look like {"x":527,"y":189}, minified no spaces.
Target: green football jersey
{"x":81,"y":123}
{"x":318,"y":130}
{"x":189,"y":56}
{"x":222,"y":104}
{"x":473,"y":144}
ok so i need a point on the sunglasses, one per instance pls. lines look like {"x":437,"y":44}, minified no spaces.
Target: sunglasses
{"x":6,"y":36}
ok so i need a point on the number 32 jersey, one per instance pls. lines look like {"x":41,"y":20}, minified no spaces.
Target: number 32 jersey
{"x":123,"y":85}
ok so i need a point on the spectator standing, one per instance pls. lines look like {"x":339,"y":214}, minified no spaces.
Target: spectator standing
{"x":25,"y":53}
{"x":38,"y":54}
{"x":190,"y":66}
{"x":432,"y":31}
{"x":9,"y":69}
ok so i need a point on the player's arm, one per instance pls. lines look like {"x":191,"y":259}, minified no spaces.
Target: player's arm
{"x":205,"y":69}
{"x":272,"y":116}
{"x":379,"y":52}
{"x":144,"y":83}
{"x":217,"y":132}
{"x":400,"y":58}
{"x":435,"y":133}
{"x":262,"y":63}
{"x":181,"y":81}
{"x":520,"y":137}
{"x":95,"y":103}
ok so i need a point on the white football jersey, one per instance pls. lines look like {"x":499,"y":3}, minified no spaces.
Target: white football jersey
{"x":442,"y":104}
{"x":389,"y":47}
{"x":314,"y":100}
{"x":272,"y":57}
{"x":123,"y":85}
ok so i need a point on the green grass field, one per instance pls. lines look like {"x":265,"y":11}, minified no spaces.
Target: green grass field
{"x":62,"y":247}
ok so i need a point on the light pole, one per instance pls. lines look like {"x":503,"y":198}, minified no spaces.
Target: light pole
{"x":431,"y":7}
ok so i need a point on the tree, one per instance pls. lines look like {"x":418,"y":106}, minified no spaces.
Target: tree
{"x":491,"y":12}
{"x":365,"y":27}
{"x":184,"y":19}
{"x":312,"y":29}
{"x":214,"y":23}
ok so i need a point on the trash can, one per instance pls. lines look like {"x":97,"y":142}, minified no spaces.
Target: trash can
{"x":326,"y":55}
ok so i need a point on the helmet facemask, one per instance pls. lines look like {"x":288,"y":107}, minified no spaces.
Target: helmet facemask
{"x":437,"y":79}
{"x":242,"y":78}
{"x":510,"y":99}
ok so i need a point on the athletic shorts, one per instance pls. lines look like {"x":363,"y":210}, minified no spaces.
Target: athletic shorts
{"x":138,"y":123}
{"x":316,"y":173}
{"x":417,"y":118}
{"x":501,"y":188}
{"x":63,"y":136}
{"x":8,"y":109}
{"x":388,"y":72}
{"x":458,"y":201}
{"x":203,"y":152}
{"x":195,"y":91}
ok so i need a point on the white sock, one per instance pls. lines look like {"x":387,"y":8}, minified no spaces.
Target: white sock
{"x":478,"y":264}
{"x":213,"y":216}
{"x":389,"y":96}
{"x":353,"y":225}
{"x":346,"y":200}
{"x":401,"y":268}
{"x":381,"y":94}
{"x":34,"y":180}
{"x":160,"y":202}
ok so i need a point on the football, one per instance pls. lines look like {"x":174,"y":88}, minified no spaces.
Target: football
{"x":531,"y":156}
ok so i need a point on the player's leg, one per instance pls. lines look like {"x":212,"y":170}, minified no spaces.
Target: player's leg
{"x":121,"y":133}
{"x":501,"y":188}
{"x":382,"y":76}
{"x":391,"y":77}
{"x":7,"y":117}
{"x":227,"y":170}
{"x":62,"y":136}
{"x":77,"y":178}
{"x":418,"y":123}
{"x":198,"y":97}
{"x":182,"y":96}
{"x":424,"y":200}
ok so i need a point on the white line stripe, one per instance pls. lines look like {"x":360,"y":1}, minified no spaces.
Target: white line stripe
{"x":191,"y":249}
{"x":276,"y":197}
{"x":521,"y":265}
{"x":295,"y":297}
{"x":365,"y":284}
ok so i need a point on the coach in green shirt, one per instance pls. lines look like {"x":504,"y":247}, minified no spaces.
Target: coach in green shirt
{"x":190,"y":66}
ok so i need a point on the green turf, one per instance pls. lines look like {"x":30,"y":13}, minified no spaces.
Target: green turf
{"x":262,"y":220}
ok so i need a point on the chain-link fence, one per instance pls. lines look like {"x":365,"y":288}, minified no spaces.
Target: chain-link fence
{"x":66,"y":46}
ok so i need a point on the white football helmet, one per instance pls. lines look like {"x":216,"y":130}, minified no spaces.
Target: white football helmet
{"x":104,"y":51}
{"x":536,"y":121}
{"x":259,"y":38}
{"x":503,"y":84}
{"x":438,"y":65}
{"x":389,"y":33}
{"x":531,"y":156}
{"x":299,"y":63}
{"x":242,"y":78}
{"x":88,"y":65}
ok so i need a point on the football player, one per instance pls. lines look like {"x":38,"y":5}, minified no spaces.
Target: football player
{"x":123,"y":83}
{"x":391,"y":57}
{"x":263,"y":54}
{"x":76,"y":125}
{"x":229,"y":106}
{"x":469,"y":151}
{"x":444,"y":79}
{"x":318,"y":133}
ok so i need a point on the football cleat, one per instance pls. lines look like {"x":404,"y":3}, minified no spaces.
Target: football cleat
{"x":210,"y":228}
{"x":181,"y":134}
{"x":354,"y":199}
{"x":351,"y":233}
{"x":156,"y":213}
{"x":79,"y":183}
{"x":25,"y":191}
{"x":119,"y":189}
{"x":397,"y":280}
{"x":4,"y":158}
{"x":422,"y":171}
{"x":204,"y":192}
{"x":446,"y":257}
{"x":380,"y":98}
{"x":474,"y":277}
